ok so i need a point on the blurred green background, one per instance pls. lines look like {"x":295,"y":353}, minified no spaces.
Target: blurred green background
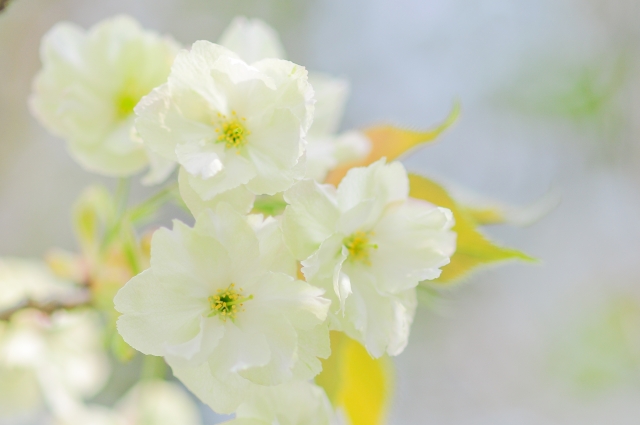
{"x":550,"y":91}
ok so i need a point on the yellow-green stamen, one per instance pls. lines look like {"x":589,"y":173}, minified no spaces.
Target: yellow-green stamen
{"x":227,"y":303}
{"x":127,"y":99}
{"x":358,"y":245}
{"x":232,"y":132}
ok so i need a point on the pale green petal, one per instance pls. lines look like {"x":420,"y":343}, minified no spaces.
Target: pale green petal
{"x":278,"y":140}
{"x":191,"y":71}
{"x":153,"y":316}
{"x":242,"y":347}
{"x":413,"y":242}
{"x":202,"y":160}
{"x":274,"y":254}
{"x":331,"y":96}
{"x":239,"y":198}
{"x":295,"y":403}
{"x":312,"y":343}
{"x":252,"y":40}
{"x":222,"y":392}
{"x":237,"y":171}
{"x":190,"y":261}
{"x":384,"y":183}
{"x":381,"y":323}
{"x":359,"y":218}
{"x":270,"y":178}
{"x":296,"y":300}
{"x":324,"y":268}
{"x":159,"y":169}
{"x":310,"y":217}
{"x":293,"y":89}
{"x":198,"y":349}
{"x":163,"y":126}
{"x":239,"y":240}
{"x":351,"y":146}
{"x":282,"y":339}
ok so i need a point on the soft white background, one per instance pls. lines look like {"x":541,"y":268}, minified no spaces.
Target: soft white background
{"x":485,"y":355}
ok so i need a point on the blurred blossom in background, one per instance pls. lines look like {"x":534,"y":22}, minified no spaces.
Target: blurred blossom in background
{"x":550,"y":91}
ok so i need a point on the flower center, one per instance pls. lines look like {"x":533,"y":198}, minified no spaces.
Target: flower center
{"x":232,"y":132}
{"x":226,"y":303}
{"x":127,"y":99}
{"x":358,"y":245}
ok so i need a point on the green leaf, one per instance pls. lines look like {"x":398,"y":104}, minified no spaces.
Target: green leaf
{"x":269,"y":205}
{"x":473,"y":248}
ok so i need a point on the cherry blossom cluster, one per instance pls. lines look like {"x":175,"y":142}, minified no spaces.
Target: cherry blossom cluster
{"x":240,"y":304}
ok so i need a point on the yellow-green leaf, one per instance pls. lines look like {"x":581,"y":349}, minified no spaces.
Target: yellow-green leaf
{"x":91,"y":211}
{"x":489,"y":211}
{"x":357,"y":383}
{"x":486,"y":215}
{"x":392,"y":142}
{"x":473,"y":248}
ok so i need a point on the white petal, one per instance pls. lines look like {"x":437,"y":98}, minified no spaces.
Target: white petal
{"x":295,"y":403}
{"x":324,"y":268}
{"x":164,"y":121}
{"x":239,"y":198}
{"x":237,"y":171}
{"x":310,"y":217}
{"x":239,"y":240}
{"x":153,"y":316}
{"x":414,"y":241}
{"x":271,"y":179}
{"x":380,"y":322}
{"x":274,"y":254}
{"x":331,"y":96}
{"x":283,"y":340}
{"x":294,"y":299}
{"x":190,"y":260}
{"x":222,"y":392}
{"x":384,"y":183}
{"x":240,"y":349}
{"x":198,"y":349}
{"x":200,"y":160}
{"x":252,"y":40}
{"x":351,"y":146}
{"x":312,"y":343}
{"x":159,"y":169}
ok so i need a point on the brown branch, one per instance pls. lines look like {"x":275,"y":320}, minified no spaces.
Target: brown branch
{"x":79,"y":299}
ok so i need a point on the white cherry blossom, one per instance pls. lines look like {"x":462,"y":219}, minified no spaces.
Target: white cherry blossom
{"x":369,"y":245}
{"x":229,"y":123}
{"x":253,"y":40}
{"x":89,"y":85}
{"x":222,"y":311}
{"x":55,"y":360}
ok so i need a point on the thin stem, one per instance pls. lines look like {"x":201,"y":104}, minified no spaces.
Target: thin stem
{"x":80,"y":299}
{"x":152,"y":204}
{"x":122,"y":196}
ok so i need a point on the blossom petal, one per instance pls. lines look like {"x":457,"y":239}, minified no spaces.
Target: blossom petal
{"x":310,"y":217}
{"x":252,"y":40}
{"x":151,"y":319}
{"x":413,"y":242}
{"x":385,"y":183}
{"x":239,"y":198}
